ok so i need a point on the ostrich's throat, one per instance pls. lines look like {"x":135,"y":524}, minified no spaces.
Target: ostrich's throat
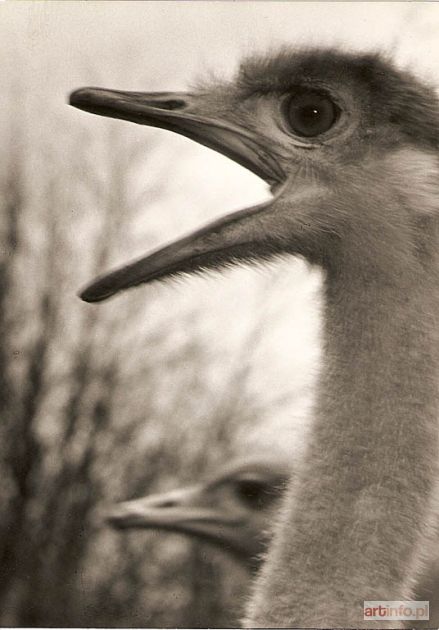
{"x":360,"y":512}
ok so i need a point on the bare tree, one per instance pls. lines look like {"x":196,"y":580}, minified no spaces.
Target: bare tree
{"x":100,"y":404}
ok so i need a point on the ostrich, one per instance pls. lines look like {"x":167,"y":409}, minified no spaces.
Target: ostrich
{"x":232,"y":509}
{"x":349,"y":145}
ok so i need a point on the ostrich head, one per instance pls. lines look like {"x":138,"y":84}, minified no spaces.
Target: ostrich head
{"x":232,"y":509}
{"x":332,"y":133}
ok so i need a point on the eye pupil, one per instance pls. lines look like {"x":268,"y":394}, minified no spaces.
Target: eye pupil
{"x":250,"y":492}
{"x":310,"y":114}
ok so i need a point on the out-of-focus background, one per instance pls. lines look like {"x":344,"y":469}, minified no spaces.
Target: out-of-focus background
{"x":161,"y":385}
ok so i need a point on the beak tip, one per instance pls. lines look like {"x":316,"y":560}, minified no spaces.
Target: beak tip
{"x":81,"y":98}
{"x":84,"y":296}
{"x":89,"y":295}
{"x":111,"y":521}
{"x":75,"y":97}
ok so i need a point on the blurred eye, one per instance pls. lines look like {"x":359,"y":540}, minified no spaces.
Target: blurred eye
{"x":310,"y":113}
{"x":253,"y":493}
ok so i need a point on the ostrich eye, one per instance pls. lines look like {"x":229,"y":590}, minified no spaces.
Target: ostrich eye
{"x":310,"y":113}
{"x":253,"y":493}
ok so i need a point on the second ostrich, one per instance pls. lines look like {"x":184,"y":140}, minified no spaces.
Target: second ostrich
{"x":232,"y":509}
{"x":350,"y":146}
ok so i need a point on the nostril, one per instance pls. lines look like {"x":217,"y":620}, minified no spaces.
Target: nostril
{"x":172,"y":104}
{"x":168,"y":504}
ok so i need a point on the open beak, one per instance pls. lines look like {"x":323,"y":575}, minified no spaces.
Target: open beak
{"x":241,"y":236}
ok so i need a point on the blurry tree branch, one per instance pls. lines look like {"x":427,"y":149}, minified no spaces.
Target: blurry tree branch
{"x":100,"y":404}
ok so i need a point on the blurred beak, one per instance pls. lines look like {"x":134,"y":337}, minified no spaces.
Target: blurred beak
{"x":182,"y":511}
{"x":170,"y":510}
{"x":241,"y":236}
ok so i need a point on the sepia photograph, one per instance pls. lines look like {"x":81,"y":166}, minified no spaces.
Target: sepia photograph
{"x":219,"y":314}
